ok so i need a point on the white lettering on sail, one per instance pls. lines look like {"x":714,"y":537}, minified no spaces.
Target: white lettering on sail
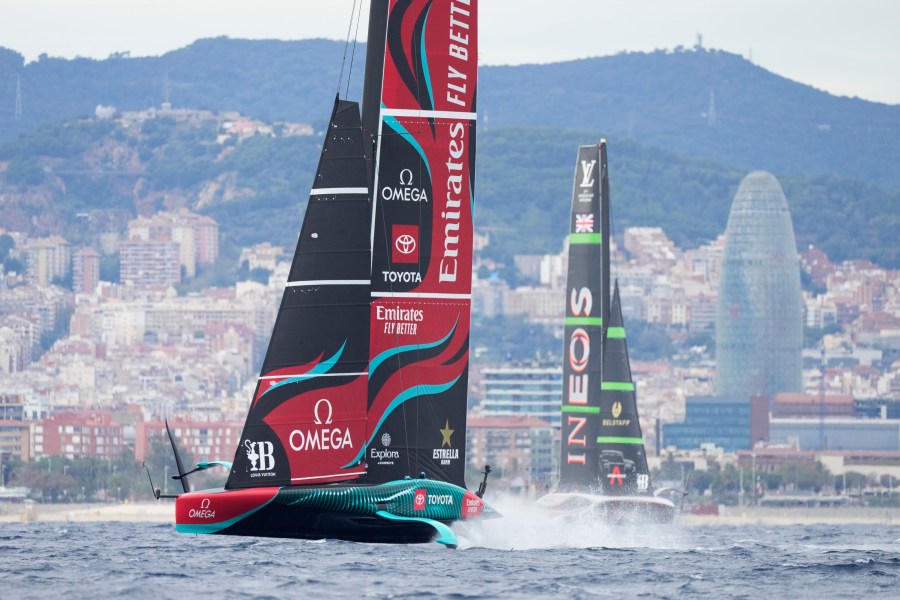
{"x":405,"y":192}
{"x":323,"y":438}
{"x":402,"y":277}
{"x":575,"y":440}
{"x":580,"y":302}
{"x":579,"y":360}
{"x":458,"y":49}
{"x":320,"y":439}
{"x":587,"y":171}
{"x":452,"y":213}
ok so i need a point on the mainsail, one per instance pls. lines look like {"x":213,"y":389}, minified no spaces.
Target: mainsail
{"x":422,"y":243}
{"x":602,"y":446}
{"x":583,"y":326}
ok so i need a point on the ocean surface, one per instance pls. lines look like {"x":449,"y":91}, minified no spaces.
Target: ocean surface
{"x":523,"y":555}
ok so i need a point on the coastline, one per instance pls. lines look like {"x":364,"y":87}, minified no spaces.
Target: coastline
{"x":770,"y":515}
{"x":132,"y":512}
{"x":164,"y":512}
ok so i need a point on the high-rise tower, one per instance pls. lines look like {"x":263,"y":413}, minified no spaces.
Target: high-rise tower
{"x":759,"y":326}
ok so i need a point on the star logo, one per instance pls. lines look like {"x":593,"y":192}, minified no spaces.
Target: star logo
{"x":446,"y":432}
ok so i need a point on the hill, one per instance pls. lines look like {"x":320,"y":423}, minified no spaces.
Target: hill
{"x":658,"y":99}
{"x":88,"y":177}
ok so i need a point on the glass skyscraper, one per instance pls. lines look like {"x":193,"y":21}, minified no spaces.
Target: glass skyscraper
{"x":759,"y":321}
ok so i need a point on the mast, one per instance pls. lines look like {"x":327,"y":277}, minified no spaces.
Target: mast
{"x":371,"y":100}
{"x":605,"y":234}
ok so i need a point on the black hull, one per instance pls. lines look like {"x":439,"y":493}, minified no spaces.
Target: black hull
{"x":281,"y":521}
{"x":408,"y":511}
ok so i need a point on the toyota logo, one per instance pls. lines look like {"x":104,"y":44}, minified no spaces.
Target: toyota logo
{"x":405,"y":244}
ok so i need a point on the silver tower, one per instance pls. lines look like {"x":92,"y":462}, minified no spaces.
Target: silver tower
{"x":759,"y":326}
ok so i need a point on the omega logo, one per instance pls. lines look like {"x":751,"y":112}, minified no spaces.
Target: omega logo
{"x":318,"y":418}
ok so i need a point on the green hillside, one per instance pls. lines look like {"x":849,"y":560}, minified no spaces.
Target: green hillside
{"x":658,"y":99}
{"x":85,"y":178}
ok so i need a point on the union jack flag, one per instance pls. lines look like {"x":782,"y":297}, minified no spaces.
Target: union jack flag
{"x":584,"y":223}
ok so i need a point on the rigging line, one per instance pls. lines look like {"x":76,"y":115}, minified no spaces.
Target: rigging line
{"x":353,"y":52}
{"x":346,"y":45}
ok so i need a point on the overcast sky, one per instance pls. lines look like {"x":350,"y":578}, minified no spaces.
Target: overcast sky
{"x":846,"y":47}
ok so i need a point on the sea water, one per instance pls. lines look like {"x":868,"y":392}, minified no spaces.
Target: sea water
{"x":525,"y":554}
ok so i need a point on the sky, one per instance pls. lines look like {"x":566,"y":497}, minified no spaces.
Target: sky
{"x":845,"y":47}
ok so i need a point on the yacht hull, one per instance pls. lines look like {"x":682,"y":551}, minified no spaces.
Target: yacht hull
{"x":615,"y":510}
{"x":407,"y":511}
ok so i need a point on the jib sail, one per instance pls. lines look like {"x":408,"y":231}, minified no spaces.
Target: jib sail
{"x":623,"y":462}
{"x":307,"y":420}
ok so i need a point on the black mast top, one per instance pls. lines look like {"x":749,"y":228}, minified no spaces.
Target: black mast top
{"x":371,"y":103}
{"x":604,"y":233}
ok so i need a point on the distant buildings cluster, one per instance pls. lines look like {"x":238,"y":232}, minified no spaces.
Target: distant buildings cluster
{"x":137,"y":351}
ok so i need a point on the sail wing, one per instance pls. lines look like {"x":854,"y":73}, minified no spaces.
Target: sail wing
{"x":623,"y":462}
{"x":583,"y":327}
{"x":307,"y":420}
{"x":422,"y":242}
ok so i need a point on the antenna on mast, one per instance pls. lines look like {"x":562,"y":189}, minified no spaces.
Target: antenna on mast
{"x":18,"y":98}
{"x":711,"y":111}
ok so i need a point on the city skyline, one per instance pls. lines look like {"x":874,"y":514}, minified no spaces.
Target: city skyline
{"x":852,"y":53}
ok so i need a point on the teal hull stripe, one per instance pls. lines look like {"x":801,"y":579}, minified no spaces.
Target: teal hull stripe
{"x":376,"y":362}
{"x":615,"y":333}
{"x":413,"y":392}
{"x":589,"y":410}
{"x":598,"y":321}
{"x":445,"y":535}
{"x":320,"y":369}
{"x":619,"y":440}
{"x":425,"y":58}
{"x":617,"y":386}
{"x":217,"y":527}
{"x":394,"y":124}
{"x":214,"y":463}
{"x":585,"y":238}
